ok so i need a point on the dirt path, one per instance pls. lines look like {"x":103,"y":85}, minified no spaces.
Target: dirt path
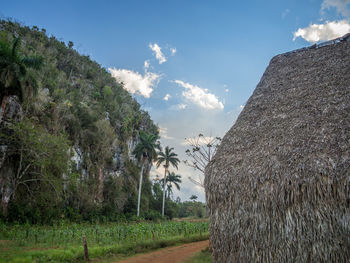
{"x":169,"y":255}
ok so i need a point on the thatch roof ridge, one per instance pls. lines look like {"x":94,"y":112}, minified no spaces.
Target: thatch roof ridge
{"x":335,"y":41}
{"x":289,"y":150}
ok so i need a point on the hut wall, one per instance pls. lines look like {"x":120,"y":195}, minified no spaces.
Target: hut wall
{"x":278,"y":188}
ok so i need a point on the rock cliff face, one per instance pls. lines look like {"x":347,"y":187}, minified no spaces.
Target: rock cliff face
{"x":11,"y":110}
{"x":278,"y":188}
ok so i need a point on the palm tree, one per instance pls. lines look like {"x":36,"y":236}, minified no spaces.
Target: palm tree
{"x":167,"y":157}
{"x":145,"y":151}
{"x":173,"y":179}
{"x":14,"y":76}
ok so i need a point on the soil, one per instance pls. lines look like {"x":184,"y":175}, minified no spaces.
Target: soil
{"x":4,"y":242}
{"x":169,"y":255}
{"x":4,"y":245}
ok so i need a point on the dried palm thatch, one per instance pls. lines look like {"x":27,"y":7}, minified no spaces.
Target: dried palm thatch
{"x":278,"y":188}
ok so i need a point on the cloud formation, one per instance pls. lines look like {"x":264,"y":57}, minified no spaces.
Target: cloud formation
{"x":182,"y":106}
{"x":176,"y":124}
{"x":158,"y":52}
{"x":134,"y":82}
{"x":323,"y":32}
{"x":173,"y":51}
{"x":285,"y":13}
{"x":342,"y":6}
{"x":146,"y":64}
{"x":163,"y":132}
{"x":176,"y":107}
{"x":200,"y":97}
{"x":167,"y":97}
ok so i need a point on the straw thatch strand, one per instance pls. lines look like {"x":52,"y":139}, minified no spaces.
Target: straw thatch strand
{"x":278,"y":188}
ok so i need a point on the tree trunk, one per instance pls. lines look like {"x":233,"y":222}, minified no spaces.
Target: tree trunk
{"x":5,"y":199}
{"x":3,"y":105}
{"x":4,"y":206}
{"x":165,"y":171}
{"x":140,"y":186}
{"x":100,"y":185}
{"x":6,"y":186}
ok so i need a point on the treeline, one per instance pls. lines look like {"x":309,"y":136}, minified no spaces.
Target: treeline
{"x":68,"y":132}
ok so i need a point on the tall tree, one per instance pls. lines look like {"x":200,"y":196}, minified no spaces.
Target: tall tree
{"x":34,"y":157}
{"x":145,"y":151}
{"x":194,"y":198}
{"x":173,"y":179}
{"x":166,"y":158}
{"x":14,"y":76}
{"x":202,"y":150}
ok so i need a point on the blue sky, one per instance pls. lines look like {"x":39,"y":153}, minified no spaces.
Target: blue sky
{"x":191,"y":63}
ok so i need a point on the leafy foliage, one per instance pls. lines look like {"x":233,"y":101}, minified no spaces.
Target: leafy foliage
{"x":62,"y":242}
{"x":166,"y":158}
{"x":147,"y":146}
{"x":72,"y":105}
{"x":145,"y":151}
{"x":38,"y":159}
{"x":172,"y":179}
{"x":14,"y":76}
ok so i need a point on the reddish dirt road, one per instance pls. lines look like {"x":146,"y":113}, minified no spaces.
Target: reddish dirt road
{"x":169,"y":255}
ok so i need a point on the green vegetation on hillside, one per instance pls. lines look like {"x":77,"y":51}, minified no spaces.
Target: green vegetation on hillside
{"x":74,"y":145}
{"x":71,"y":152}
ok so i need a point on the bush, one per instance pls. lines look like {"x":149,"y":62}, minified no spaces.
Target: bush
{"x":152,"y":215}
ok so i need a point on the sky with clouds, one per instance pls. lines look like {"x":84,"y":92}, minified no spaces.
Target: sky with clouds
{"x":191,"y":64}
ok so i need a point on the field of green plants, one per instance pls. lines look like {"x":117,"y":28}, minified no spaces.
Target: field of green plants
{"x":63,"y":243}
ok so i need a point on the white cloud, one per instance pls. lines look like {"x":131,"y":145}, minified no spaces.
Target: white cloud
{"x":163,"y":132}
{"x":176,"y":107}
{"x":158,"y":52}
{"x":323,"y":32}
{"x":200,"y":97}
{"x":146,"y":64}
{"x":182,"y":106}
{"x":342,"y":6}
{"x":134,"y":82}
{"x":173,"y":51}
{"x":285,"y":13}
{"x":167,"y":97}
{"x":209,"y":123}
{"x":241,"y":107}
{"x":227,"y":90}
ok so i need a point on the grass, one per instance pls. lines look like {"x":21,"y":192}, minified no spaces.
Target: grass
{"x":64,"y":243}
{"x":75,"y":254}
{"x":202,"y":257}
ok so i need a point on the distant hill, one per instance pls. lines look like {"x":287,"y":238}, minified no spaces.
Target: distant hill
{"x":82,"y":110}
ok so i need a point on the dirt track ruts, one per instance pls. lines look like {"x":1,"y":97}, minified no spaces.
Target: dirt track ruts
{"x":175,"y":254}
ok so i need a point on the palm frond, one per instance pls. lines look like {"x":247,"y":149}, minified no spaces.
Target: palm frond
{"x":15,"y":46}
{"x":167,"y":157}
{"x":146,"y":148}
{"x":34,"y":62}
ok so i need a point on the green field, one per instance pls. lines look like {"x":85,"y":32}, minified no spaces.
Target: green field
{"x":63,"y":243}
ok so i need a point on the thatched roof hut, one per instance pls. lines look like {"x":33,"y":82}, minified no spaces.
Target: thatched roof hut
{"x":278,"y":188}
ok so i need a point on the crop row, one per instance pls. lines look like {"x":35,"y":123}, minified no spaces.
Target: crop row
{"x":71,"y":234}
